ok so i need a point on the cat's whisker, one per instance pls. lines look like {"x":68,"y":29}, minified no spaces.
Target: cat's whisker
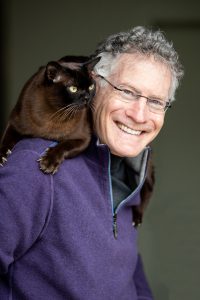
{"x":59,"y":111}
{"x":92,"y":106}
{"x":71,"y":109}
{"x":68,"y":113}
{"x":54,"y":115}
{"x":74,"y":111}
{"x":60,"y":115}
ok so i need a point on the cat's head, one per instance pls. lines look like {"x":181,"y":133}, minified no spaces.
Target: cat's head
{"x":71,"y":82}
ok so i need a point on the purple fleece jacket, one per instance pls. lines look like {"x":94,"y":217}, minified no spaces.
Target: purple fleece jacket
{"x":56,"y":232}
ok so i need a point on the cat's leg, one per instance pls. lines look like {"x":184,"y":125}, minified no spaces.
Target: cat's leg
{"x":146,"y":193}
{"x":9,"y":139}
{"x":53,"y":157}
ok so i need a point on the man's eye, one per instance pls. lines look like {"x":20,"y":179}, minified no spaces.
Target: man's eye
{"x":157,"y":102}
{"x":130,"y":94}
{"x":127,"y":92}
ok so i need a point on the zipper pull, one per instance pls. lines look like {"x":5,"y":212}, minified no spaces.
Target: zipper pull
{"x":115,"y":225}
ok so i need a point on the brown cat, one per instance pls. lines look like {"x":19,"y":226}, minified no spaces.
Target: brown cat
{"x":54,"y":104}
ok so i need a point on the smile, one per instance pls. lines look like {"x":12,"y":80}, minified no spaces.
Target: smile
{"x":128,"y":130}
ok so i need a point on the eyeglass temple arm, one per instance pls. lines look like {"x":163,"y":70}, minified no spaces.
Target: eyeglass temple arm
{"x":102,"y":77}
{"x":168,"y":105}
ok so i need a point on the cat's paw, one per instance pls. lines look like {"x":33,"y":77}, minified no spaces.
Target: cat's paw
{"x":4,"y":156}
{"x":3,"y":160}
{"x":49,"y":163}
{"x":47,"y":166}
{"x":137,"y":216}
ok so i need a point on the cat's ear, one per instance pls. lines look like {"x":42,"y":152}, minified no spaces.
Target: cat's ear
{"x":91,"y":63}
{"x":53,"y":71}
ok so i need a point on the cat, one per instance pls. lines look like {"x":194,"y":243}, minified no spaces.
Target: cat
{"x":54,"y":104}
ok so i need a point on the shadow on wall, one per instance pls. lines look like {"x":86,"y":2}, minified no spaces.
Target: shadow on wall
{"x":2,"y":96}
{"x":2,"y":69}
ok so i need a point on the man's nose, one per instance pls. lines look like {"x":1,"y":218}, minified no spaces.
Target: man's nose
{"x":138,"y":110}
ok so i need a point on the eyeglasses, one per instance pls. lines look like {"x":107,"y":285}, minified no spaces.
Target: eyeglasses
{"x":155,"y":105}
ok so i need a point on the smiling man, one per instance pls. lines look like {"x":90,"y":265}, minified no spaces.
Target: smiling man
{"x":137,"y":77}
{"x":130,"y":111}
{"x":73,"y":235}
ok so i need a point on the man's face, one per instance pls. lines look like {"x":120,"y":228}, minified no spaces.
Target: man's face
{"x":127,"y":127}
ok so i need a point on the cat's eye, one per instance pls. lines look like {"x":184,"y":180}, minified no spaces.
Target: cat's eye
{"x":73,"y":89}
{"x":91,"y":87}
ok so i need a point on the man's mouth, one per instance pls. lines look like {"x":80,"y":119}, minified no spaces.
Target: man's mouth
{"x":128,"y":129}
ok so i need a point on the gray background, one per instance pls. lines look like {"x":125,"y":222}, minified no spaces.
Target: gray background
{"x":34,"y":32}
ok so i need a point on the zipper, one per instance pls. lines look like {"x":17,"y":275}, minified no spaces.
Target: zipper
{"x":115,"y":225}
{"x":114,"y":215}
{"x":121,"y":204}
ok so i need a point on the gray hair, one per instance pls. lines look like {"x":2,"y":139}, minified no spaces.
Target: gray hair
{"x":143,"y":41}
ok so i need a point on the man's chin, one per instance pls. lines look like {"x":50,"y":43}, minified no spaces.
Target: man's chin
{"x":126,"y":152}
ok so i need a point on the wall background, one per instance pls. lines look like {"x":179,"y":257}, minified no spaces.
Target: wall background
{"x":35,"y":32}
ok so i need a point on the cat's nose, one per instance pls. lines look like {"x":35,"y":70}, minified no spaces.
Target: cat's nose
{"x":86,"y":98}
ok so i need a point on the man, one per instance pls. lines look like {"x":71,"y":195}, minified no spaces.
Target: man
{"x":70,"y":236}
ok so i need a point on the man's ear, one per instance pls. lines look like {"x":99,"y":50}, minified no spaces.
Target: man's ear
{"x":53,"y":71}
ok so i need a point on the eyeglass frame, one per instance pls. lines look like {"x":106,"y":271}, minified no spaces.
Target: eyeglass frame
{"x":167,"y":103}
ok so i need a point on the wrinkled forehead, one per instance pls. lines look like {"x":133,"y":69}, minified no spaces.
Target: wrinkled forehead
{"x":130,"y":61}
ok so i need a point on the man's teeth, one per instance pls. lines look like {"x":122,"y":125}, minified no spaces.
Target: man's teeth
{"x":129,"y":130}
